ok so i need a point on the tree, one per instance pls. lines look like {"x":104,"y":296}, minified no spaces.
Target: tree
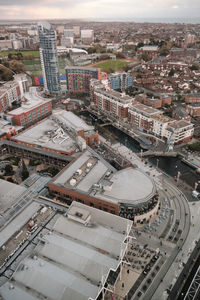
{"x":5,"y":74}
{"x":25,"y":175}
{"x":171,"y":72}
{"x":9,"y":170}
{"x":194,"y":67}
{"x":16,"y":66}
{"x":120,"y":55}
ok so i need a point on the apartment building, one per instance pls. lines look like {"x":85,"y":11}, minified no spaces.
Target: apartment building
{"x":112,"y":102}
{"x":120,"y":81}
{"x":9,"y":93}
{"x":192,"y":98}
{"x":33,"y":109}
{"x":180,"y":131}
{"x":140,"y":116}
{"x":78,"y":78}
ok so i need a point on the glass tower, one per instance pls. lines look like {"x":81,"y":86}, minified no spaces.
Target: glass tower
{"x":49,"y":57}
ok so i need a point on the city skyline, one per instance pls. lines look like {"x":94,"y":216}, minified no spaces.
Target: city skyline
{"x":99,"y":9}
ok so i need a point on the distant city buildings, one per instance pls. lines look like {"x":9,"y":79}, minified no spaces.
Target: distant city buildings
{"x":67,"y":39}
{"x":150,"y":51}
{"x":49,"y":58}
{"x":87,"y":36}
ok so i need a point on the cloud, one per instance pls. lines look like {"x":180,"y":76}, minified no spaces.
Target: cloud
{"x":114,"y":9}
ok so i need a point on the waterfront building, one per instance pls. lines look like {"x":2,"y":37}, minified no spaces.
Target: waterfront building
{"x":49,"y":57}
{"x":112,"y":102}
{"x":94,"y":182}
{"x":180,"y":131}
{"x":78,"y":78}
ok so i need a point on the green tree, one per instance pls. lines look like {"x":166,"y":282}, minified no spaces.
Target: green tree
{"x":171,"y":72}
{"x":9,"y":170}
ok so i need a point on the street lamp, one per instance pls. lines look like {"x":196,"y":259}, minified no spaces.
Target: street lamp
{"x":196,"y":185}
{"x":157,"y":163}
{"x":178,"y":176}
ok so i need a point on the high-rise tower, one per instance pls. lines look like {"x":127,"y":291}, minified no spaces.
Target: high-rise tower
{"x":49,"y":57}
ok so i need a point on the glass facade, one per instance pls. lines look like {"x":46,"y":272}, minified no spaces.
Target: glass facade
{"x":49,"y":57}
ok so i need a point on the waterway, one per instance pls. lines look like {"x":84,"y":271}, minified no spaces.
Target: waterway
{"x":173,"y":165}
{"x":122,"y":137}
{"x":169,"y":165}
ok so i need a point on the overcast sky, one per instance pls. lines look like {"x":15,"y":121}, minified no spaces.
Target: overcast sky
{"x":98,"y":9}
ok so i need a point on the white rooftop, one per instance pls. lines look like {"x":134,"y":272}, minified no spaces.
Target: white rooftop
{"x":31,"y":100}
{"x":73,"y":258}
{"x":71,"y":120}
{"x":47,"y":134}
{"x":128,"y":187}
{"x":9,"y":192}
{"x":125,"y":186}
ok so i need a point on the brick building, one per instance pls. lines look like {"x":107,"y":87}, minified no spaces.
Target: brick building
{"x":111,"y":102}
{"x":78,"y":78}
{"x":153,"y":102}
{"x":92,"y":181}
{"x":192,"y":98}
{"x":193,"y":109}
{"x":149,"y":50}
{"x":33,"y":109}
{"x":9,"y":93}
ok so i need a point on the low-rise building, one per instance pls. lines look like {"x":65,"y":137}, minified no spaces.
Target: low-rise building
{"x":192,"y":98}
{"x":33,"y":109}
{"x":193,"y":109}
{"x":180,"y":131}
{"x":63,"y":133}
{"x":151,"y":51}
{"x":94,"y":182}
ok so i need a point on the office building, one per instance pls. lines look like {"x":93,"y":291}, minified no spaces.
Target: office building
{"x":49,"y":57}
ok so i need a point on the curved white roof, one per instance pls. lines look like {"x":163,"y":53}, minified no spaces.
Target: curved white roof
{"x":130,"y":186}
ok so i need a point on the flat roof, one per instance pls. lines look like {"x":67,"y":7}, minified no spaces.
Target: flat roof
{"x":86,"y":253}
{"x":47,"y":134}
{"x":9,"y":192}
{"x":117,"y":96}
{"x":82,"y":68}
{"x":180,"y":124}
{"x":128,"y":187}
{"x":145,"y":109}
{"x":100,"y":180}
{"x":31,"y":101}
{"x":71,"y":120}
{"x":149,"y":48}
